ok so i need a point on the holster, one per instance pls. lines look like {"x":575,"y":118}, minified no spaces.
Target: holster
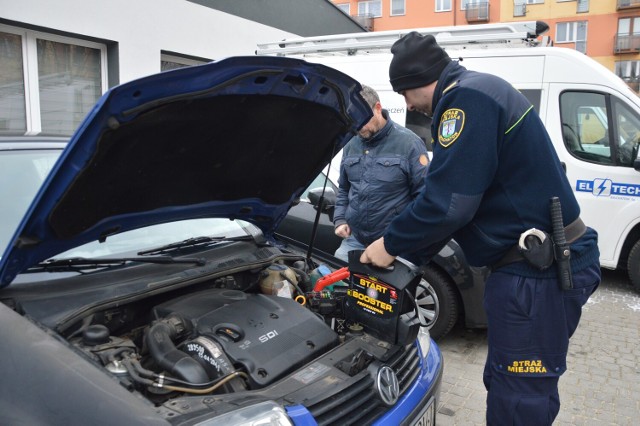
{"x":573,"y":231}
{"x":537,"y":248}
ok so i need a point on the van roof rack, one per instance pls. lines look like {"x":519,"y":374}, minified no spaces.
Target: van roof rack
{"x":524,"y":32}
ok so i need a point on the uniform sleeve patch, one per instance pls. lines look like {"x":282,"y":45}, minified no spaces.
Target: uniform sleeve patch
{"x":451,"y":125}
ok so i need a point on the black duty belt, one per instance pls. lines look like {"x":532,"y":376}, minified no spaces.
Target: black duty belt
{"x":573,"y":231}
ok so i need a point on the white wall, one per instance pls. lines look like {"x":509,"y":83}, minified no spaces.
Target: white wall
{"x":142,"y":28}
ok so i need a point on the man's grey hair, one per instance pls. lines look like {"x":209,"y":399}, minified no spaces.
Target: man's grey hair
{"x":369,"y":95}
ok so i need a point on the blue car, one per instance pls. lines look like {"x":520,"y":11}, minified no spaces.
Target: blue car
{"x":145,"y":284}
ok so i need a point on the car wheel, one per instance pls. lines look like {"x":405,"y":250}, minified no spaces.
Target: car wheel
{"x":428,"y":304}
{"x":633,"y":265}
{"x":446,"y":302}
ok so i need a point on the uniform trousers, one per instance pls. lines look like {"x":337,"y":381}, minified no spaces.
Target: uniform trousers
{"x":530,"y":322}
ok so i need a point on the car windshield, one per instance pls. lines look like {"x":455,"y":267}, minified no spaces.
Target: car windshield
{"x":156,"y":236}
{"x":22,"y":172}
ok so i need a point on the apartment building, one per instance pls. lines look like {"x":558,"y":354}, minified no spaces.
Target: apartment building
{"x":606,"y":30}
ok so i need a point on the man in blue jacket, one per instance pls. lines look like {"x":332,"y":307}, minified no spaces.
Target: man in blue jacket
{"x":382,"y":170}
{"x":493,"y":173}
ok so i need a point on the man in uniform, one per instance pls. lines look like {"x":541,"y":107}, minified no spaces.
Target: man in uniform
{"x":382,"y":170}
{"x":490,"y":183}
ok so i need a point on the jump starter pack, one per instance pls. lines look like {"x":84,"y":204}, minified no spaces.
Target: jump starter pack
{"x":382,"y":300}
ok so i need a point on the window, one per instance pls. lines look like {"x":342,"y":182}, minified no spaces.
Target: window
{"x":372,"y":8}
{"x":534,"y":1}
{"x":588,"y":133}
{"x":628,"y":36}
{"x":12,"y":95}
{"x":171,"y":61}
{"x":519,"y":8}
{"x":397,"y":7}
{"x":344,"y":7}
{"x":443,"y":5}
{"x":582,"y":6}
{"x":47,"y":83}
{"x":629,"y":26}
{"x":567,"y":32}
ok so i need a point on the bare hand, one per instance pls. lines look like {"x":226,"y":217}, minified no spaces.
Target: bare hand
{"x":343,"y":231}
{"x":377,"y":255}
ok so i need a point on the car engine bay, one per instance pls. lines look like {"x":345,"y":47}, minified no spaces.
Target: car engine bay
{"x":261,"y":332}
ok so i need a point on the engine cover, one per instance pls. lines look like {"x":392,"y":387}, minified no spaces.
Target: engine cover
{"x":268,"y":336}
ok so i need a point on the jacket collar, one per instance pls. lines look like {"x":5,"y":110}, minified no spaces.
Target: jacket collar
{"x":450,"y":75}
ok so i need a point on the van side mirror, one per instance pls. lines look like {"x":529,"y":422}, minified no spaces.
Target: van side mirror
{"x":326,"y":203}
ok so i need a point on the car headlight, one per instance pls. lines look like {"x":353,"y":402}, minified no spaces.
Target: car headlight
{"x":263,"y":414}
{"x":424,"y":340}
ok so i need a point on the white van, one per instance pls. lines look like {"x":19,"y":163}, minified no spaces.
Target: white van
{"x":592,"y":116}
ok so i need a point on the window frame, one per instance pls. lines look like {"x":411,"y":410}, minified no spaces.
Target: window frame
{"x":29,"y":39}
{"x":574,"y":31}
{"x":440,"y":3}
{"x":341,"y":6}
{"x":404,"y":8}
{"x":368,"y":3}
{"x":633,"y":28}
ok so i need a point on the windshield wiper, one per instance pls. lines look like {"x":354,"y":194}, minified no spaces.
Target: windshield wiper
{"x":193,"y":242}
{"x":80,"y":263}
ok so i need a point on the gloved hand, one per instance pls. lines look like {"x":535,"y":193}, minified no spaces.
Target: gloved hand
{"x":343,"y":231}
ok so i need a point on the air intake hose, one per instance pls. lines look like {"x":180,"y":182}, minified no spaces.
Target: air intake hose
{"x":159,"y":340}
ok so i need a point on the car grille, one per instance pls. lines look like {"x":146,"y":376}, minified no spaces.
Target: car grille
{"x":359,"y":403}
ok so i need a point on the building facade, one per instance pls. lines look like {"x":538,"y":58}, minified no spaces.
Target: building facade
{"x":58,"y":58}
{"x":606,"y":30}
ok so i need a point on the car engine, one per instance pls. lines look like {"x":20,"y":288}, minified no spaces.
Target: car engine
{"x":246,"y":332}
{"x":235,"y":334}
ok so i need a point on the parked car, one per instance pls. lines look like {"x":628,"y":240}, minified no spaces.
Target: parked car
{"x":24,"y":163}
{"x":455,"y":290}
{"x":145,"y":284}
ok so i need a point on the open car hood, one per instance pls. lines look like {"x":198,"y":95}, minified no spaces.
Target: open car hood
{"x":239,"y":138}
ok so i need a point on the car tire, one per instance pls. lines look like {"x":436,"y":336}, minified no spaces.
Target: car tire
{"x":633,"y":265}
{"x":447,"y":300}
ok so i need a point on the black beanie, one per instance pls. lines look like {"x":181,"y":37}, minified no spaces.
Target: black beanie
{"x":417,"y":61}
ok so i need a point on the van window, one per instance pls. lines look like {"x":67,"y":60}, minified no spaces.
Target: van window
{"x":587,"y":133}
{"x":627,"y":125}
{"x":533,"y":96}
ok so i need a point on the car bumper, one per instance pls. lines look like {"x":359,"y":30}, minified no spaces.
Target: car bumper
{"x":413,"y":404}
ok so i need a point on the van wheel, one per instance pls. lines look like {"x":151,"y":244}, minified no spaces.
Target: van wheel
{"x":446,"y":298}
{"x":633,"y":265}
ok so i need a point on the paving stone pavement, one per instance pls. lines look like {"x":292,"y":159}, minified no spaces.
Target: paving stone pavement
{"x":602,"y":382}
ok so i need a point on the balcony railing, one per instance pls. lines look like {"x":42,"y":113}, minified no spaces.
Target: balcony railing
{"x":626,"y":44}
{"x":628,"y":4}
{"x":366,"y":20}
{"x":477,"y":12}
{"x":632,"y":82}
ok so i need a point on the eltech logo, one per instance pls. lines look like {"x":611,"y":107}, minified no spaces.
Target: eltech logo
{"x":608,"y":188}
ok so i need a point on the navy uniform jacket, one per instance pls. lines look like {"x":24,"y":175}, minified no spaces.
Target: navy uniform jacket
{"x":379,"y":176}
{"x":493,"y":172}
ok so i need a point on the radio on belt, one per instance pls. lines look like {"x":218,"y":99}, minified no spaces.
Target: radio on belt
{"x":382,"y":299}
